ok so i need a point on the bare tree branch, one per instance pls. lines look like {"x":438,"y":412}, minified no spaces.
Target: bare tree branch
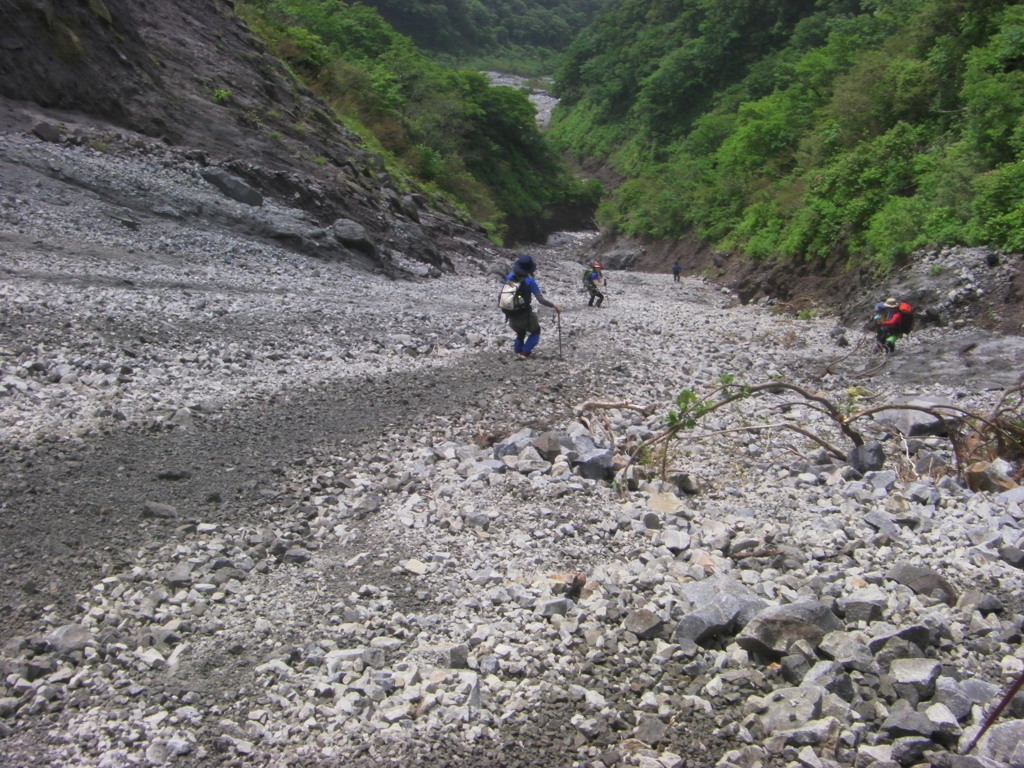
{"x":999,"y":433}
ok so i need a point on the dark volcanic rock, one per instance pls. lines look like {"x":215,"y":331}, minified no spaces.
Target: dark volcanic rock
{"x":191,"y":75}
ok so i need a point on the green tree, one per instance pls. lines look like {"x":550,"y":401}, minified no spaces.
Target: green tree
{"x":999,"y":207}
{"x":862,"y":127}
{"x":993,"y":90}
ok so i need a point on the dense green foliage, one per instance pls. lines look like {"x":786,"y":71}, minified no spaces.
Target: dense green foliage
{"x":806,"y":128}
{"x":451,"y":130}
{"x":520,"y":36}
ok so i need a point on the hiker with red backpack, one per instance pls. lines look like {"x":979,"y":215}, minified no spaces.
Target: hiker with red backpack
{"x":893,"y":320}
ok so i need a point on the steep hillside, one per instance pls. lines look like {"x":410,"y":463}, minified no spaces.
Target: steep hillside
{"x":190,"y":76}
{"x":845,"y":132}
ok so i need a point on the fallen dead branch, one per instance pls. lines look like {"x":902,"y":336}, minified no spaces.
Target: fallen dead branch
{"x":626,"y":405}
{"x":755,"y":553}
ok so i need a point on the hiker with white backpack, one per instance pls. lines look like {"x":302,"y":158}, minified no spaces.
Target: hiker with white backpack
{"x":515,"y":300}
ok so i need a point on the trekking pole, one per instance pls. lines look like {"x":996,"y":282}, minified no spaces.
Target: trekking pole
{"x":558,"y":317}
{"x":1007,"y":698}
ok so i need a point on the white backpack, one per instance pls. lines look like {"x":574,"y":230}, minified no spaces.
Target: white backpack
{"x":513,"y":295}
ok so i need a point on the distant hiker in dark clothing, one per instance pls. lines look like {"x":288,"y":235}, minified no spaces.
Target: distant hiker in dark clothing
{"x":676,"y":270}
{"x":592,"y":280}
{"x":524,"y":320}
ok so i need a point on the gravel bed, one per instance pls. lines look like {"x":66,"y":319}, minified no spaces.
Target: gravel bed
{"x":264,"y":510}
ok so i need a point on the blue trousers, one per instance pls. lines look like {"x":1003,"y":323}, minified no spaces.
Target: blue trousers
{"x":527,"y":328}
{"x":524,"y":343}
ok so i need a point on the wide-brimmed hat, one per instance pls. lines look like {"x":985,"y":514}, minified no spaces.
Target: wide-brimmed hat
{"x":525,"y":263}
{"x":891,"y":303}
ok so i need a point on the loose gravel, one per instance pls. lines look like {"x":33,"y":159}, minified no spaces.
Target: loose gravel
{"x":263,"y":510}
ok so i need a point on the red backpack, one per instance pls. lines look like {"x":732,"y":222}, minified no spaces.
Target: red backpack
{"x":906,"y":318}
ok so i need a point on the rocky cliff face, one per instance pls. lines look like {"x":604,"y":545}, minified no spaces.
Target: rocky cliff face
{"x":186,"y":79}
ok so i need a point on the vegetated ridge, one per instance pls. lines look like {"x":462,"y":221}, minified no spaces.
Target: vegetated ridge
{"x":530,"y":32}
{"x":834,"y":136}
